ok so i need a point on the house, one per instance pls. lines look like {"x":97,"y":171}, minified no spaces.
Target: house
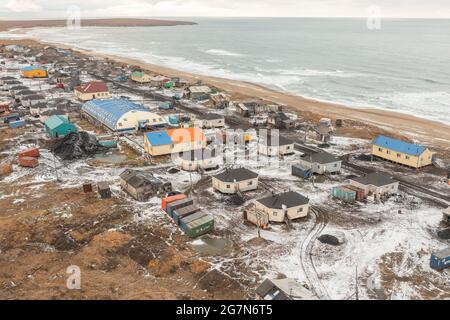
{"x":199,"y":92}
{"x":235,"y":180}
{"x":210,"y":120}
{"x":280,"y":120}
{"x":34,"y":72}
{"x":283,"y":289}
{"x":440,"y":260}
{"x":35,"y":110}
{"x":15,"y":89}
{"x":140,"y":77}
{"x":248,"y":108}
{"x":376,"y":184}
{"x":92,"y":90}
{"x":323,"y":130}
{"x":174,"y":141}
{"x":200,"y":159}
{"x":23,"y":93}
{"x":220,"y":101}
{"x":58,"y":126}
{"x":142,"y":185}
{"x":7,"y":78}
{"x":275,"y":145}
{"x":32,"y":100}
{"x":279,"y":207}
{"x":8,"y":84}
{"x":158,"y":81}
{"x":408,"y":154}
{"x":120,"y":115}
{"x":320,"y":163}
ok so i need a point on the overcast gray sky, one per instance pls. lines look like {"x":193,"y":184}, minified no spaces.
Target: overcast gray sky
{"x":40,"y":9}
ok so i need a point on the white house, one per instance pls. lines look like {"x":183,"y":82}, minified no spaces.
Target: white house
{"x":199,"y":92}
{"x":92,"y":90}
{"x":200,"y":159}
{"x":32,"y":100}
{"x":233,"y":180}
{"x":321,"y":163}
{"x":291,"y":205}
{"x":275,"y":145}
{"x":284,"y":289}
{"x":210,"y":120}
{"x":376,"y":184}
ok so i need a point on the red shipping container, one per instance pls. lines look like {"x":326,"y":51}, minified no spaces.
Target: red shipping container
{"x":31,"y":152}
{"x":167,"y":200}
{"x":28,"y":162}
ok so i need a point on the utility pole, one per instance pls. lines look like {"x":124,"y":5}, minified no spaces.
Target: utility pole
{"x":356,"y":284}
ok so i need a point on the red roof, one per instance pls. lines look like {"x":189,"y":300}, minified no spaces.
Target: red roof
{"x":93,"y":87}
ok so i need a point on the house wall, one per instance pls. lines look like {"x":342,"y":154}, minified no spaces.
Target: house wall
{"x":231,"y":187}
{"x":90,"y":96}
{"x":204,"y":123}
{"x":198,"y":164}
{"x":277,"y":215}
{"x":275,"y":150}
{"x":144,"y":79}
{"x":29,"y":103}
{"x":318,"y":168}
{"x":377,"y":191}
{"x":424,"y":159}
{"x":130,"y":120}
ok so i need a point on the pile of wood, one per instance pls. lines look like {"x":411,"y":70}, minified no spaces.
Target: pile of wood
{"x":28,"y":158}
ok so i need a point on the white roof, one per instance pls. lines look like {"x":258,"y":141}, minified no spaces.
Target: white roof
{"x":199,"y":89}
{"x":293,"y":289}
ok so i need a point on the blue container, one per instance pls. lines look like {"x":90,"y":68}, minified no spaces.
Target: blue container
{"x":172,"y":206}
{"x":109,"y":143}
{"x":440,"y":260}
{"x":173,"y":119}
{"x":17,"y":124}
{"x":167,"y":105}
{"x":302,"y":173}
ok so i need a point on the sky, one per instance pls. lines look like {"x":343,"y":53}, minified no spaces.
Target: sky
{"x":58,"y":9}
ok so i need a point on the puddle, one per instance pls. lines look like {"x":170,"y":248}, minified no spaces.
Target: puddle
{"x":111,"y":157}
{"x":211,"y":246}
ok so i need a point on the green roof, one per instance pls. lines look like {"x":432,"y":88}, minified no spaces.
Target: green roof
{"x":55,"y":121}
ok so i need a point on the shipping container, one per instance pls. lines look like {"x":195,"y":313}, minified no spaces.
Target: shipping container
{"x":16,"y":124}
{"x":31,"y":152}
{"x":440,"y":260}
{"x":28,"y":162}
{"x":178,"y":205}
{"x":360,"y":193}
{"x":179,"y":214}
{"x":192,"y":217}
{"x":109,"y":143}
{"x":344,"y":194}
{"x":170,"y":199}
{"x":200,"y":226}
{"x":173,"y":119}
{"x":302,"y":173}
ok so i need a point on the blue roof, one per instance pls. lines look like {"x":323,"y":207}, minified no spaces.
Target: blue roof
{"x":31,"y":68}
{"x":158,"y":138}
{"x":399,"y":146}
{"x":109,"y":112}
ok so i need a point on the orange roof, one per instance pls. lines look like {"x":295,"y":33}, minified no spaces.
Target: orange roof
{"x":182,"y":135}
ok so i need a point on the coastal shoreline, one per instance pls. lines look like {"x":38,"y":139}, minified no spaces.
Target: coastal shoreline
{"x":432,"y":133}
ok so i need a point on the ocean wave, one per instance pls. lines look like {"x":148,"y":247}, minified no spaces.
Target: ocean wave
{"x":318,"y":73}
{"x":220,"y":52}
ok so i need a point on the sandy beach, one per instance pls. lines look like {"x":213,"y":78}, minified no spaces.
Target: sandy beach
{"x":432,"y":133}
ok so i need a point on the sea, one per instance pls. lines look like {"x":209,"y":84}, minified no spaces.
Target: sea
{"x":404,"y":65}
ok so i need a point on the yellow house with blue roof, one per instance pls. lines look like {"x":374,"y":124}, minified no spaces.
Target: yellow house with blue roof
{"x":408,"y":154}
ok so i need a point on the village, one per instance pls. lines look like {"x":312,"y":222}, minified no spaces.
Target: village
{"x":244,"y":198}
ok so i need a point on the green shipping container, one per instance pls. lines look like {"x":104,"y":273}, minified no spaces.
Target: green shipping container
{"x":199,"y":226}
{"x":344,"y":194}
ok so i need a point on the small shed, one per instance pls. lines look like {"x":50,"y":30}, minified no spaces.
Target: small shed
{"x":440,"y":260}
{"x":58,"y":126}
{"x":344,"y":194}
{"x":195,"y":227}
{"x":171,"y":207}
{"x":104,"y":190}
{"x":283,"y":289}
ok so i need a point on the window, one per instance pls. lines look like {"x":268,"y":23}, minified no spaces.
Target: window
{"x":380,"y":149}
{"x":399,"y":155}
{"x":407,"y":157}
{"x":228,"y":186}
{"x":300,"y":210}
{"x":274,"y":213}
{"x":388,"y":152}
{"x":125,"y":119}
{"x":335,"y":165}
{"x":250,"y":183}
{"x":288,"y":147}
{"x":154,"y":120}
{"x":120,"y":124}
